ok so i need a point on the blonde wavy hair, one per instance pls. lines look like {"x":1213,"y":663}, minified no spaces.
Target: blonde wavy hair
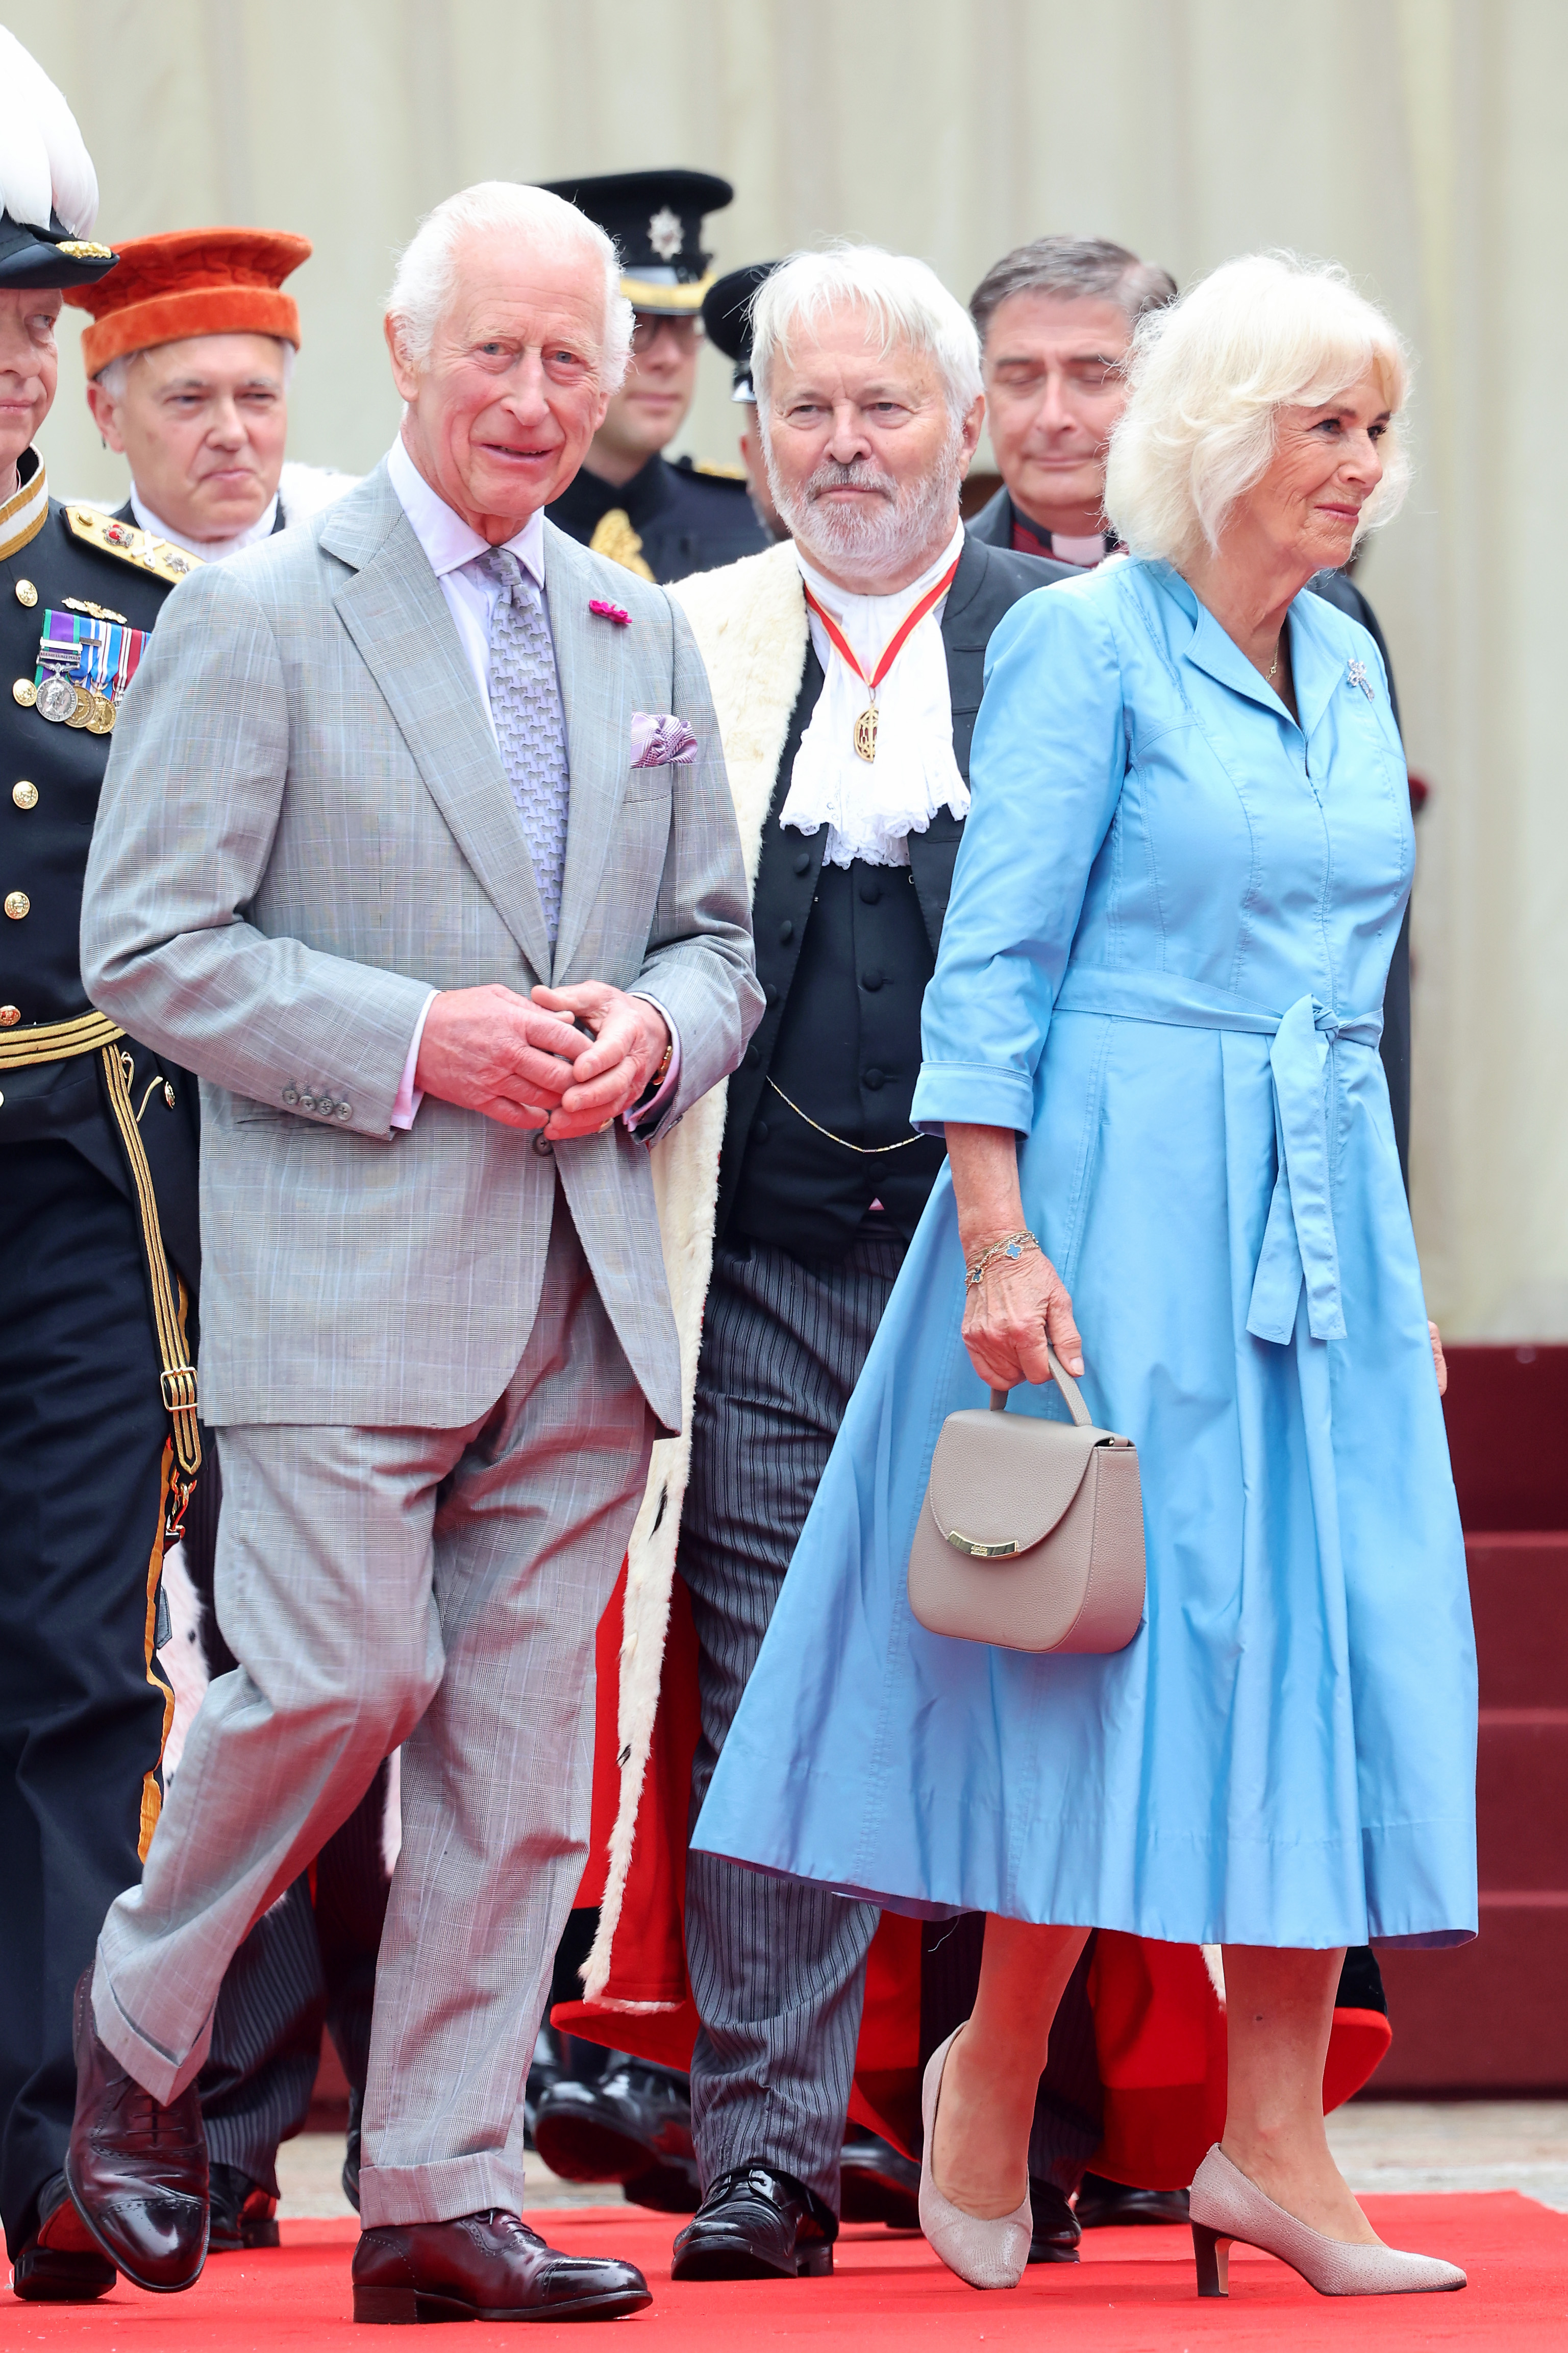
{"x":1209,"y":375}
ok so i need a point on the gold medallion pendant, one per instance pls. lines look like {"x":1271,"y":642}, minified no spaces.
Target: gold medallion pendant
{"x":866,"y":733}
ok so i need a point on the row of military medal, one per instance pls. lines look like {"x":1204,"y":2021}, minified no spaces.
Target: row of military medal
{"x":86,"y":661}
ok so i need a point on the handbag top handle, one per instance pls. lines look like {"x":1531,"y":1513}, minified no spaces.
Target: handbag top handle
{"x":1064,"y":1381}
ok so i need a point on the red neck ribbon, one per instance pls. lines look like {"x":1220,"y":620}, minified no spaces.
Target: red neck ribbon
{"x":891,"y":653}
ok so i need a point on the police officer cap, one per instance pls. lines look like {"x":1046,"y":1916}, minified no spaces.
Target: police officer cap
{"x":656,"y":219}
{"x":727,"y":317}
{"x":48,"y":189}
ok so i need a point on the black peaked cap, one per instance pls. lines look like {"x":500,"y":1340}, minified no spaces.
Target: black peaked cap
{"x":656,"y":219}
{"x":727,"y":317}
{"x":49,"y":257}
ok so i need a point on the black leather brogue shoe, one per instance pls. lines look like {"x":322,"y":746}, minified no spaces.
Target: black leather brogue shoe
{"x":756,"y":2223}
{"x":631,"y":2125}
{"x":241,"y":2214}
{"x":877,"y":2183}
{"x":1105,"y":2205}
{"x":137,"y":2171}
{"x":1056,"y":2229}
{"x":57,"y":2262}
{"x":487,"y":2266}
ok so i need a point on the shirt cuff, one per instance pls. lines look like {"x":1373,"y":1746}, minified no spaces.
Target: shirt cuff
{"x":639,"y":1112}
{"x":409,"y":1099}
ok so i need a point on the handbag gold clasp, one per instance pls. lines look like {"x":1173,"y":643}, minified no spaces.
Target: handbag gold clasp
{"x":981,"y":1551}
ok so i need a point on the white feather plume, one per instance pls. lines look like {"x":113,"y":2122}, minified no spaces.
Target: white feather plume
{"x":44,"y":162}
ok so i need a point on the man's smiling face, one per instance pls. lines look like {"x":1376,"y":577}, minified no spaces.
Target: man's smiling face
{"x":503,"y":410}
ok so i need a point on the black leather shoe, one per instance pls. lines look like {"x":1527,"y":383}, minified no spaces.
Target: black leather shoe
{"x":240,"y":2214}
{"x":486,"y":2266}
{"x":1056,"y":2228}
{"x":349,"y":2175}
{"x":633,"y":2122}
{"x":57,"y":2263}
{"x":756,"y":2223}
{"x":1109,"y":2205}
{"x":667,"y":2188}
{"x":877,"y":2183}
{"x":137,"y":2171}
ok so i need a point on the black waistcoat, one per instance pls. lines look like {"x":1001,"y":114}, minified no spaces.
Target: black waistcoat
{"x":848,"y":1054}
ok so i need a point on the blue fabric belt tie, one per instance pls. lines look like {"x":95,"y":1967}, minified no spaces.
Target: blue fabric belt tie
{"x":1299,"y":1241}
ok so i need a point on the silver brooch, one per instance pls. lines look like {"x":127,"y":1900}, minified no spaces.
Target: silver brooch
{"x":1358,"y":677}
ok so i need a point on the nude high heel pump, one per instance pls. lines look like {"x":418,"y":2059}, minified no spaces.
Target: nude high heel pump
{"x":1226,"y":2205}
{"x":986,"y":2254}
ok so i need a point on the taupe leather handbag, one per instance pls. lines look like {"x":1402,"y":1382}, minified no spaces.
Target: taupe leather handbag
{"x":1031,"y":1535}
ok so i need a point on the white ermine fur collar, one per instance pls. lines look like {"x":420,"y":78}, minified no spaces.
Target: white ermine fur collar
{"x":748,"y":620}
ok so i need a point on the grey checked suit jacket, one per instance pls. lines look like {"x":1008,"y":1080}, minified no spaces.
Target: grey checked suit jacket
{"x":304,"y":828}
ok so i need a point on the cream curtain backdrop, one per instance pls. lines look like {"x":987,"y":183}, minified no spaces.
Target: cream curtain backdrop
{"x":1420,"y":142}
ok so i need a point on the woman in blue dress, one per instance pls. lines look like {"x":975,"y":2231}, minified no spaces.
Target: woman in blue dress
{"x":1152,"y":1041}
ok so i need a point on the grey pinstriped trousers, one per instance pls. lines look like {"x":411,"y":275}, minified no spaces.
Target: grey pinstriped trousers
{"x":777,"y":1967}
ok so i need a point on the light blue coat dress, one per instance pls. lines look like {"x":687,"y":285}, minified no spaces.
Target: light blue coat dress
{"x":1163,"y":966}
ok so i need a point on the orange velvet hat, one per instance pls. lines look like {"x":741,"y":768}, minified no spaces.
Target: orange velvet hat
{"x":192,"y":282}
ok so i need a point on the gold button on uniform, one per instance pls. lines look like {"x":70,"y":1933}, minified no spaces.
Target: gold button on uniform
{"x":9,"y":1016}
{"x":25,"y":795}
{"x":24,"y":692}
{"x":17,"y":904}
{"x":26,"y":592}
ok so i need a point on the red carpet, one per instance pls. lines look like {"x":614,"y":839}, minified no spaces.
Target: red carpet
{"x":1132,"y":2294}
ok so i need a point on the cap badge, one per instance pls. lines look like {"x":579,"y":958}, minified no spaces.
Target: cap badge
{"x":665,"y":233}
{"x":77,"y":248}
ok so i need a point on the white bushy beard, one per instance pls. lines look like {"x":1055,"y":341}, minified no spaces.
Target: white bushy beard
{"x":879,"y":533}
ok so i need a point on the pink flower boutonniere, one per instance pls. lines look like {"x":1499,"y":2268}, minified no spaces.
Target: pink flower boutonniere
{"x":608,"y":612}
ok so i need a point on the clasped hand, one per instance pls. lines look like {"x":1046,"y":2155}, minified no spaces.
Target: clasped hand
{"x":524,"y":1062}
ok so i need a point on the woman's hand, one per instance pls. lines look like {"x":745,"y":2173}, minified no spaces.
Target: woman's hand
{"x":1438,"y":1364}
{"x":1018,"y":1302}
{"x":1008,"y":1316}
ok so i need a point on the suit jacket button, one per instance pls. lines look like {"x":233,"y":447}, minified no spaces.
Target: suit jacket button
{"x":24,"y":793}
{"x":307,"y":1100}
{"x":772,"y":992}
{"x":752,"y":1057}
{"x":290,"y":1096}
{"x":787,"y":930}
{"x":873,"y":1078}
{"x":870,"y":892}
{"x":17,"y":904}
{"x":871,"y":980}
{"x":343,"y":1111}
{"x":542,"y":1144}
{"x":759,"y":1131}
{"x":9,"y":1016}
{"x":803,"y":863}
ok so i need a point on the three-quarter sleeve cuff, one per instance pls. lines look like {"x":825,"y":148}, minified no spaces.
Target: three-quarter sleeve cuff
{"x":974,"y":1094}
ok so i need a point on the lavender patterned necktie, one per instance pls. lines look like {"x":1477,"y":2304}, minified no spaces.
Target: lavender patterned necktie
{"x":525,"y":704}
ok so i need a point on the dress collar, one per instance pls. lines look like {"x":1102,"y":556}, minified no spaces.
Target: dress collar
{"x":447,"y":540}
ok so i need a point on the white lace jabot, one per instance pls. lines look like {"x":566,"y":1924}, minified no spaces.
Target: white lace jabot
{"x":871,"y":808}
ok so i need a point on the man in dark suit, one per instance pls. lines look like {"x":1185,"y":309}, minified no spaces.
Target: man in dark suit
{"x":846,"y":667}
{"x":1056,"y":319}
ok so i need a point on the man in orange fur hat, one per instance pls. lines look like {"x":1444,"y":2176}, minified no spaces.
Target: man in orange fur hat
{"x":189,"y":359}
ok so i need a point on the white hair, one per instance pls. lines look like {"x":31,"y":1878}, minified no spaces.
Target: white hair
{"x":1209,"y":375}
{"x":115,"y":374}
{"x":426,"y":268}
{"x":903,"y":300}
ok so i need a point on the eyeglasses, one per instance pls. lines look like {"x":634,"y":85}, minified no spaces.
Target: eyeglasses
{"x":648,"y":325}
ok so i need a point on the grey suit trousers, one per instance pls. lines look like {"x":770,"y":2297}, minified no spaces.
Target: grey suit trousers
{"x":777,"y":1967}
{"x":438,"y":1589}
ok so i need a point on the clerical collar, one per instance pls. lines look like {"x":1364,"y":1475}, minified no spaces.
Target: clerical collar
{"x":1031,"y":538}
{"x":208,"y":550}
{"x":24,"y":512}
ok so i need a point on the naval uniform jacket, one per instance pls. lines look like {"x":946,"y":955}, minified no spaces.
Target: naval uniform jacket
{"x":53,"y":776}
{"x":994,"y":525}
{"x":673,"y":519}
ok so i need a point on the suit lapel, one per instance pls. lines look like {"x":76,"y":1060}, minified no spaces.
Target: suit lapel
{"x":393,"y":609}
{"x":591,"y":663}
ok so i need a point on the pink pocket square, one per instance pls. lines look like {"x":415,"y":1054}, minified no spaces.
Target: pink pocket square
{"x":659,"y":740}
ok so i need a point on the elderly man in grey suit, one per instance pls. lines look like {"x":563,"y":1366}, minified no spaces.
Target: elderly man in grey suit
{"x":417,"y":846}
